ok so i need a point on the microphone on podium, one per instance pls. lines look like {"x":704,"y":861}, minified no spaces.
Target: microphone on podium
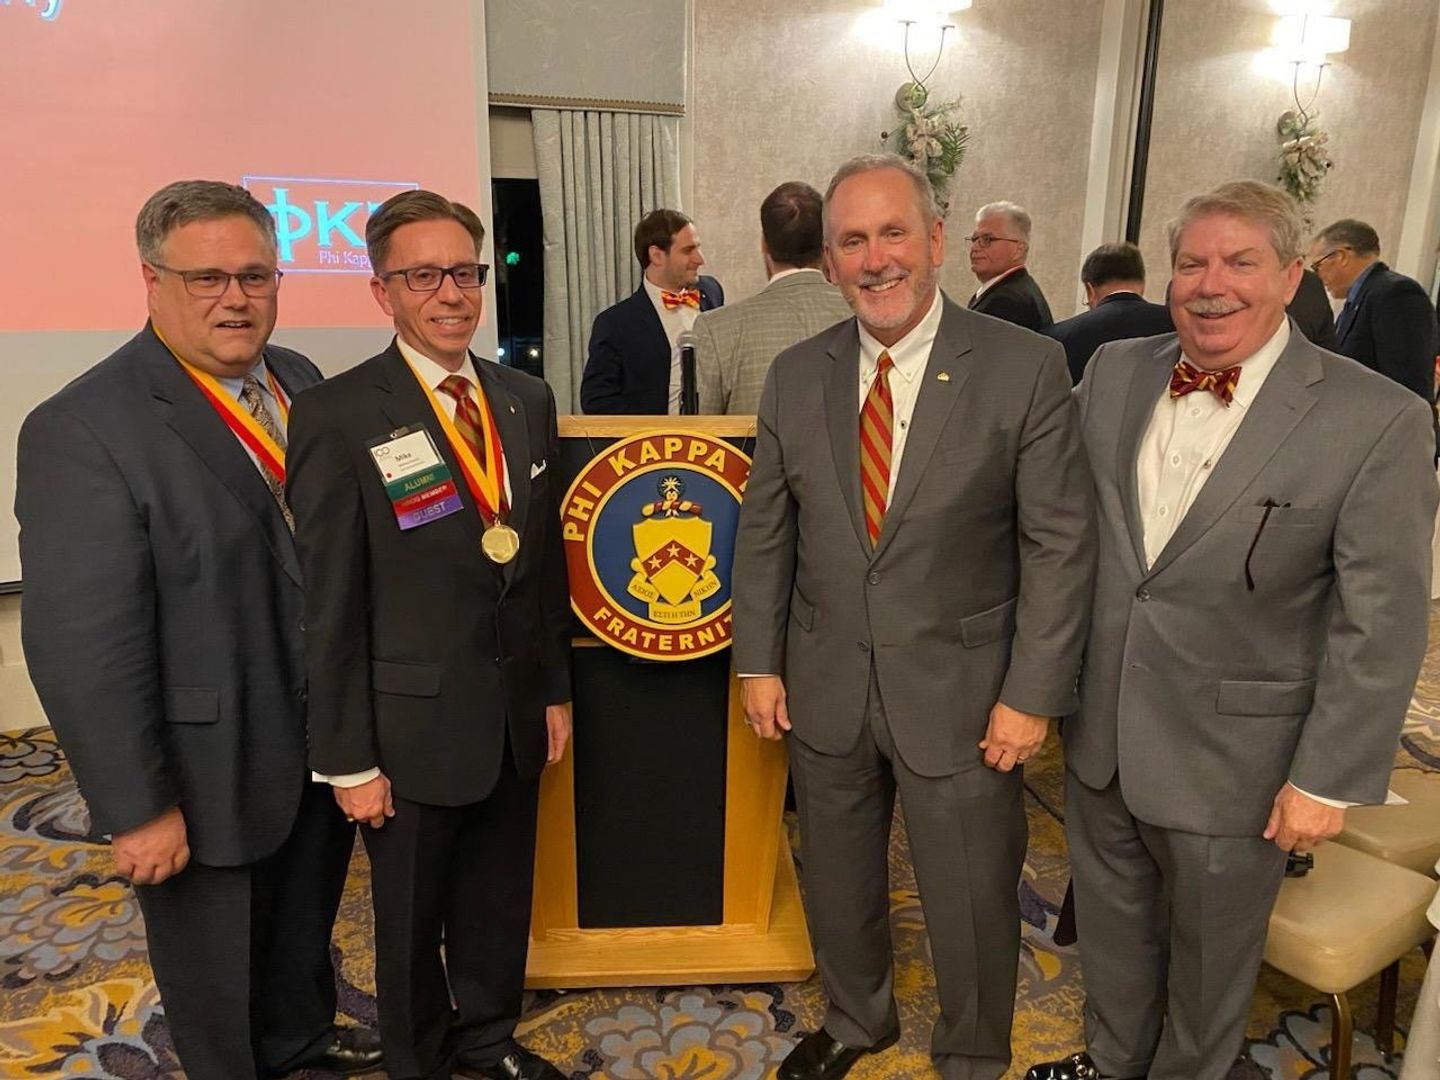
{"x":689,"y":390}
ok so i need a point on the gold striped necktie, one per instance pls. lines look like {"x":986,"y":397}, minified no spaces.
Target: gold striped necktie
{"x":877,"y":425}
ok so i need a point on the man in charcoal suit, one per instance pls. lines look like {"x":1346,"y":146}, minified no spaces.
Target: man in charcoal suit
{"x":1114,"y":280}
{"x":999,"y":247}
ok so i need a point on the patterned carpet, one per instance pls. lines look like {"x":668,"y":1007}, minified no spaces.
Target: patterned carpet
{"x":78,"y":999}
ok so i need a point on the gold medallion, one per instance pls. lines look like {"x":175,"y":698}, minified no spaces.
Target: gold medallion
{"x":500,"y":543}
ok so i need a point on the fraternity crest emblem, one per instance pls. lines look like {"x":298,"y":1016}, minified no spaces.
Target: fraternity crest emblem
{"x":649,"y":529}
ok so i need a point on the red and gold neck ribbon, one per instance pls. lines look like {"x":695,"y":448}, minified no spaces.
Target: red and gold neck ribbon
{"x":486,"y":484}
{"x":237,"y":417}
{"x":1187,"y":378}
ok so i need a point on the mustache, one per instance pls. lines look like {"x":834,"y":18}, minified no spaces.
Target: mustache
{"x":1212,"y":306}
{"x":868,"y":278}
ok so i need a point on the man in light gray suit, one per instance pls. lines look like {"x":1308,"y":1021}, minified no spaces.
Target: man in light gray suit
{"x":907,"y":635}
{"x":1260,"y":616}
{"x":735,"y":345}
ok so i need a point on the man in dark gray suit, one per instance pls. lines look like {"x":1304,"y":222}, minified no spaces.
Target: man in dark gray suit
{"x":161,"y":624}
{"x":1260,"y":617}
{"x":911,"y":592}
{"x":999,"y":247}
{"x":736,"y":344}
{"x":1114,"y":280}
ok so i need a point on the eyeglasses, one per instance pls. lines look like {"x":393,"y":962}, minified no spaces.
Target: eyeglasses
{"x":213,"y":284}
{"x":1315,"y":266}
{"x":984,"y":240}
{"x":430,"y":278}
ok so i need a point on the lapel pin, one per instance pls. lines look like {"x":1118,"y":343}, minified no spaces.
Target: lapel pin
{"x":512,"y":410}
{"x":944,"y":376}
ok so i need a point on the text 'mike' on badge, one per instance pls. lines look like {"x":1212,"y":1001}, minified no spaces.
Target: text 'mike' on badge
{"x":417,"y":481}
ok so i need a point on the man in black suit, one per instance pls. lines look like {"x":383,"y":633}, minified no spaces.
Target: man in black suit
{"x":162,"y":628}
{"x":438,"y":647}
{"x":634,"y":362}
{"x":1388,"y":323}
{"x":1114,"y":280}
{"x":1311,"y":311}
{"x":999,"y":247}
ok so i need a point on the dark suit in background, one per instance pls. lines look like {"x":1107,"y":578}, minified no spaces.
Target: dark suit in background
{"x":628,"y":369}
{"x":1016,"y":299}
{"x":436,"y":665}
{"x":1391,"y":328}
{"x":162,"y":628}
{"x":1311,"y":311}
{"x":1118,"y":316}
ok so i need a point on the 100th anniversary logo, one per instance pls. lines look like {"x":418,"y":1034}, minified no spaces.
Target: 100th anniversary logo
{"x":649,"y":528}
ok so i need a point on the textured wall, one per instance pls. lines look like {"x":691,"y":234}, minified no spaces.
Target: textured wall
{"x":1215,"y":112}
{"x":787,"y":91}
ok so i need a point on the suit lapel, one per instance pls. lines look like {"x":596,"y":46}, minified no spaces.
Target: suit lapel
{"x":403,"y":402}
{"x":934,"y":401}
{"x":514,"y":444}
{"x":186,"y":412}
{"x":842,"y":415}
{"x":1281,"y":404}
{"x":1147,"y":383}
{"x":1378,"y":269}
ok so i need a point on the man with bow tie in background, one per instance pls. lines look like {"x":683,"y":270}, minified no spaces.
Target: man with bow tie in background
{"x":634,"y":362}
{"x":1259,"y":621}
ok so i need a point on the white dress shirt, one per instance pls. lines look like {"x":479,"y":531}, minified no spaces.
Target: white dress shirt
{"x":986,"y":286}
{"x":674,"y":324}
{"x":434,"y":375}
{"x":1186,"y":438}
{"x":910,"y":354}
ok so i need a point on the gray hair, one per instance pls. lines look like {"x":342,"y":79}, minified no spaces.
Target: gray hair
{"x":1018,"y":216}
{"x":863,"y":163}
{"x":187,"y":201}
{"x":1250,"y":200}
{"x":1350,"y":233}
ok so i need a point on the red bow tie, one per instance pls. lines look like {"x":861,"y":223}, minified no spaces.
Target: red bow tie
{"x":683,"y":298}
{"x":1187,"y":377}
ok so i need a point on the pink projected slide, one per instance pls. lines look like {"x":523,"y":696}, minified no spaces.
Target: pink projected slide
{"x":321,"y":110}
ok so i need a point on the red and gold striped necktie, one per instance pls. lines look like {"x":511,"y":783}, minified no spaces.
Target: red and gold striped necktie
{"x":877,"y":426}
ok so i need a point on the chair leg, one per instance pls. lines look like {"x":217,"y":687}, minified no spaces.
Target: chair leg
{"x":1385,"y":1014}
{"x":1342,"y":1034}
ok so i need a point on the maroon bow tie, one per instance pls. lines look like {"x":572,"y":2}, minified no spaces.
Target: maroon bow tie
{"x":1187,"y":377}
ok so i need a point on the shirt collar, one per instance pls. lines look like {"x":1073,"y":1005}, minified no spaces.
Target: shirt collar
{"x":431,"y":372}
{"x":910,"y":353}
{"x":988,"y":285}
{"x":790,"y":272}
{"x":236,"y":384}
{"x":1256,"y":368}
{"x":1359,"y":283}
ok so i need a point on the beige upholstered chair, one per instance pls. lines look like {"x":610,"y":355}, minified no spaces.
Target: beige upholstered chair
{"x":1404,"y":835}
{"x":1353,"y":915}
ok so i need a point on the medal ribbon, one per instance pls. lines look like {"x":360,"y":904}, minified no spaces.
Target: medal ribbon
{"x":236,"y":417}
{"x":487,"y":485}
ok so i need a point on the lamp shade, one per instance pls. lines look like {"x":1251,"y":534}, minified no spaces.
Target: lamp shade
{"x":1310,"y":39}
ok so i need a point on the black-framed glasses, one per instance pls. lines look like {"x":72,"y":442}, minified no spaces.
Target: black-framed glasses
{"x":430,"y":278}
{"x":1315,"y":266}
{"x":984,"y":240}
{"x":212,"y":284}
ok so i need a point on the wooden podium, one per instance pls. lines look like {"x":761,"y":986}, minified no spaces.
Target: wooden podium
{"x":754,"y":927}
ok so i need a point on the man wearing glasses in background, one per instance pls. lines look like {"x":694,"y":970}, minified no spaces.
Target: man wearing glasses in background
{"x":162,"y":628}
{"x":999,"y":247}
{"x":428,"y":525}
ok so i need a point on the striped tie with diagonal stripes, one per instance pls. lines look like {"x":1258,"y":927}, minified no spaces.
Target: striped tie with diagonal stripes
{"x":877,"y":422}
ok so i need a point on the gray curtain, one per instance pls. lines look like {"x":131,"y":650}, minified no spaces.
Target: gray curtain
{"x":600,"y":172}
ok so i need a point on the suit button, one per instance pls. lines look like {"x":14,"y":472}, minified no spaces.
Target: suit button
{"x":301,"y":695}
{"x":863,"y":646}
{"x":301,"y":625}
{"x":874,"y":579}
{"x":1142,"y":594}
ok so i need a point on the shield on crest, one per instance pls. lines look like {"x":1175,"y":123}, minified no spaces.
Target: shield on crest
{"x":672,"y":553}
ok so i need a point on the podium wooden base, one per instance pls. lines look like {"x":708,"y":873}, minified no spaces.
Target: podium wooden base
{"x":682,"y":955}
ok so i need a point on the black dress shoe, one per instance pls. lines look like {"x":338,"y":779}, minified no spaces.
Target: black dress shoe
{"x":1075,"y":1067}
{"x":351,"y":1050}
{"x":820,"y":1056}
{"x":519,"y":1064}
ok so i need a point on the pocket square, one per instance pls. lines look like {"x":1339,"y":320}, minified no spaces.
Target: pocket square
{"x":536,"y":470}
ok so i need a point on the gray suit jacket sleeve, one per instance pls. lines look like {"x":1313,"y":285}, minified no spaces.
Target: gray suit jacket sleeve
{"x":1376,"y":637}
{"x":765,"y":549}
{"x":88,"y":618}
{"x":1054,"y":498}
{"x":710,"y":381}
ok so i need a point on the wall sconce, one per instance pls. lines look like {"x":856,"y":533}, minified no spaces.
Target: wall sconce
{"x":927,"y":15}
{"x":1310,"y":40}
{"x":1305,"y":39}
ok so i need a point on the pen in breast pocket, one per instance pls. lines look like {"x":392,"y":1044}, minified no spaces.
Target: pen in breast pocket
{"x":1269,"y":504}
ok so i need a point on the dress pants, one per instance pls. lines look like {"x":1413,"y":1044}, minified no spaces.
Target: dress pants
{"x":461,"y":875}
{"x":241,"y":954}
{"x":967,"y":842}
{"x":1172,"y":928}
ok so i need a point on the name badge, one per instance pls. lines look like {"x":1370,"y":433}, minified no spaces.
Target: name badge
{"x":417,"y":480}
